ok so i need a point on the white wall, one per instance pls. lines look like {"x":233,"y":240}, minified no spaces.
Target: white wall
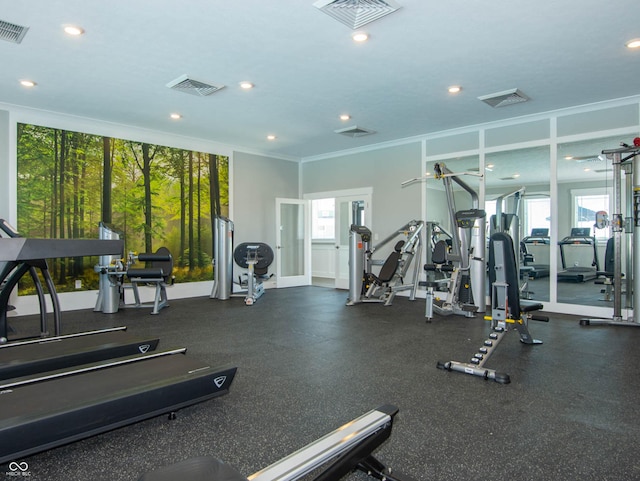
{"x":257,"y":181}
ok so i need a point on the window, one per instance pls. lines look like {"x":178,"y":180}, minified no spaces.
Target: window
{"x":537,"y":214}
{"x":323,"y":219}
{"x":584,"y":213}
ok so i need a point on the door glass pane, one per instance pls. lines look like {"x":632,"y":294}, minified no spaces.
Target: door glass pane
{"x":322,"y":215}
{"x":292,"y":239}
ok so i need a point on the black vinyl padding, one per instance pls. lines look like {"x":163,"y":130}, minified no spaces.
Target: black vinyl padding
{"x":516,"y":307}
{"x":439,"y":258}
{"x":203,"y":468}
{"x":264,"y":256}
{"x":161,"y":266}
{"x":390,"y":265}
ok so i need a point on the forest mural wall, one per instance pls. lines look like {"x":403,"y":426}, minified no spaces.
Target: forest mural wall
{"x":154,"y":195}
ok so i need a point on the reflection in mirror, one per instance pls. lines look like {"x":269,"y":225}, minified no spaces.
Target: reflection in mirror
{"x":517,"y":185}
{"x":451,"y":200}
{"x":585,"y":198}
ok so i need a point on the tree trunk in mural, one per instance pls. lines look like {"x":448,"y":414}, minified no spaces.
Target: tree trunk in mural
{"x":76,"y":160}
{"x":106,"y":180}
{"x":62,"y":206}
{"x":191,"y":257}
{"x":183,"y":211}
{"x":214,"y":197}
{"x":199,"y":216}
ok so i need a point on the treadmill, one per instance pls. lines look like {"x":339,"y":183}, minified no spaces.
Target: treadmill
{"x":580,"y":236}
{"x":41,"y":412}
{"x":24,"y":358}
{"x":539,"y":237}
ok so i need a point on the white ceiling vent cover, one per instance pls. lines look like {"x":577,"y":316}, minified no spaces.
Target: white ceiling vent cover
{"x":354,"y":131}
{"x":502,"y":99}
{"x":356,"y":13}
{"x":194,"y":87}
{"x":12,"y":32}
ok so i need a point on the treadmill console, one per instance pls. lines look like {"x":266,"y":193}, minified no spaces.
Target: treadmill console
{"x":581,"y":232}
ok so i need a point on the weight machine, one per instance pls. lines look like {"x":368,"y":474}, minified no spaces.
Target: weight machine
{"x":364,"y":285}
{"x":464,"y":261}
{"x":112,"y":270}
{"x":256,"y":257}
{"x":624,"y":160}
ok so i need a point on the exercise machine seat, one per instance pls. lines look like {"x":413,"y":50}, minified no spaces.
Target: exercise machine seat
{"x":439,"y":258}
{"x":161,"y":266}
{"x":390,"y":265}
{"x":516,"y":306}
{"x":203,"y":468}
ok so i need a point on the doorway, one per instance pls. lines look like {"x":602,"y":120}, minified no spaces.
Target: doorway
{"x":332,"y":214}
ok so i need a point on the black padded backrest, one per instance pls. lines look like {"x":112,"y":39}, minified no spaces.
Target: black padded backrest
{"x":503,"y":241}
{"x":609,"y":256}
{"x":264,"y":256}
{"x":390,"y":265}
{"x":439,"y":255}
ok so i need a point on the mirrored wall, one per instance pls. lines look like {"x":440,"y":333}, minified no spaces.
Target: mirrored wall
{"x":517,"y":185}
{"x":558,"y":192}
{"x":585,"y":191}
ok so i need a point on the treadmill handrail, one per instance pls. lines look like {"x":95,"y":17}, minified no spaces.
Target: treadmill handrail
{"x":93,"y":367}
{"x":45,"y":340}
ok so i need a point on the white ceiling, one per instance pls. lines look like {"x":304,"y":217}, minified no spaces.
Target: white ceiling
{"x":307,"y":70}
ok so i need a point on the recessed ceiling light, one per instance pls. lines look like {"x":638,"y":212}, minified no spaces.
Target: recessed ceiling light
{"x":568,"y":157}
{"x":246,"y":85}
{"x":27,"y":83}
{"x":515,"y":176}
{"x":587,"y":169}
{"x":454,"y":89}
{"x":360,"y":36}
{"x":73,"y":30}
{"x":175,"y":116}
{"x":345,"y":117}
{"x":271,"y":137}
{"x":635,"y":43}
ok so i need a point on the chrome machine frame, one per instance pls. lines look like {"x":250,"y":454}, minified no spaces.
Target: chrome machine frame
{"x":361,"y":262}
{"x":468,"y":251}
{"x":624,"y":159}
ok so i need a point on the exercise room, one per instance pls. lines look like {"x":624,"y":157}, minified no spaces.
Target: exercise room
{"x":337,"y":239}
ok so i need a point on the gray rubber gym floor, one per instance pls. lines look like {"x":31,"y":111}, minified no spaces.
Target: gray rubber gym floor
{"x":307,"y":363}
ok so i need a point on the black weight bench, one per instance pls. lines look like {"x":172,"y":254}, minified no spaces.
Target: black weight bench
{"x":157,"y":274}
{"x":508,"y":311}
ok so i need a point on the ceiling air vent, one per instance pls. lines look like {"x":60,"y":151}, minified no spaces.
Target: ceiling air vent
{"x":193,"y":87}
{"x":356,"y":13}
{"x":12,"y":32}
{"x":502,"y":99}
{"x":354,"y":131}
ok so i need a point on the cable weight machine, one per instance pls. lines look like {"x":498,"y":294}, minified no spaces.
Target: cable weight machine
{"x":624,"y":159}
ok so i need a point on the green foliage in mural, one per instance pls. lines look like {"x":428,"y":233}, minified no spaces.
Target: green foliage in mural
{"x":155,"y":195}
